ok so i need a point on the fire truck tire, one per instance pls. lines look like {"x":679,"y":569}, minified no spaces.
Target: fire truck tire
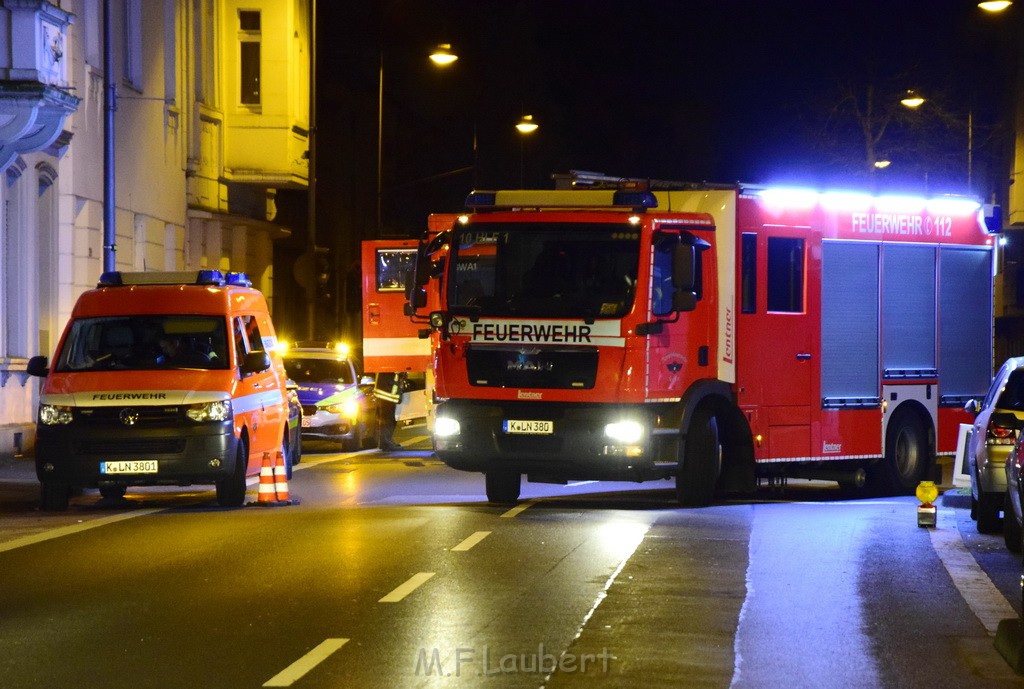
{"x":906,"y":456}
{"x":54,"y":496}
{"x":700,"y":466}
{"x":231,"y":490}
{"x":503,"y":487}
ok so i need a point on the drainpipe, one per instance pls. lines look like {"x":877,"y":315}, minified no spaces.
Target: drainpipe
{"x":109,"y":105}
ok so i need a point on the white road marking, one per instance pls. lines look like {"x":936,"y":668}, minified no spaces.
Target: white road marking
{"x":517,"y":509}
{"x":408,"y":587}
{"x":293,"y":672}
{"x":471,"y":541}
{"x":74,"y":528}
{"x":981,"y":595}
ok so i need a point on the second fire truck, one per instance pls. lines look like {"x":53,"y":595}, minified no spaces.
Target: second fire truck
{"x":710,"y":335}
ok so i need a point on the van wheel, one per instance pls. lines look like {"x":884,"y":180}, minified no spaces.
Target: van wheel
{"x":699,"y":467}
{"x":503,"y":487}
{"x":54,"y":496}
{"x":231,"y":490}
{"x":113,"y":492}
{"x":906,"y":457}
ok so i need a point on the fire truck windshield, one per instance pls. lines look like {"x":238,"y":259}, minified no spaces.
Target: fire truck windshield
{"x":552,"y":270}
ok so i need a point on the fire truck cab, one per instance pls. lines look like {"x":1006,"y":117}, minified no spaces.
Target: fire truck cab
{"x":710,"y":334}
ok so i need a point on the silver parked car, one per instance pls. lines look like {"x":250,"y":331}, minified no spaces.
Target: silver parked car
{"x":996,"y":424}
{"x":1013,"y":506}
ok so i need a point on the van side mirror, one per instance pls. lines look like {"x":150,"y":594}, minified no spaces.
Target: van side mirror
{"x":38,"y":366}
{"x":255,"y":362}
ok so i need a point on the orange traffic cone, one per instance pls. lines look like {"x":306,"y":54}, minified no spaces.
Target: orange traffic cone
{"x":281,"y":480}
{"x":268,"y":489}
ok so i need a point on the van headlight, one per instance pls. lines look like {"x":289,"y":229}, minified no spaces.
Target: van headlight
{"x":446,"y":427}
{"x":53,"y":415}
{"x":209,"y":411}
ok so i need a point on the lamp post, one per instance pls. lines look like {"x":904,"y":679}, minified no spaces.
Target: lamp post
{"x":526,"y":126}
{"x":914,"y":100}
{"x":442,"y":56}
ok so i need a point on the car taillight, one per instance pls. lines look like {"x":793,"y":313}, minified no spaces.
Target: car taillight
{"x":1000,"y":435}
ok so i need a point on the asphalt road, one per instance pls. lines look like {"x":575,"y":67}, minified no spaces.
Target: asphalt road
{"x":393,"y":571}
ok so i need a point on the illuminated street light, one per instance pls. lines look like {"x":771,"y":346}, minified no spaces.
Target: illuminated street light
{"x":443,"y":55}
{"x":882,"y":164}
{"x":912,"y":100}
{"x":994,"y":5}
{"x":526,"y":125}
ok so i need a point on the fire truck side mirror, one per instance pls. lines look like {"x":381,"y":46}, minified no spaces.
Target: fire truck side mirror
{"x":683,"y":268}
{"x":684,"y":301}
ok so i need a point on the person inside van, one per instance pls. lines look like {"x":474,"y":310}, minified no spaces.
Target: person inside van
{"x":178,"y":351}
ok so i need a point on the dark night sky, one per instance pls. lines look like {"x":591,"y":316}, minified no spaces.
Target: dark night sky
{"x":722,"y":91}
{"x":693,"y":90}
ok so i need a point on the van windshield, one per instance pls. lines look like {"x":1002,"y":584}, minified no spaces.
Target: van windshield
{"x":140,"y":343}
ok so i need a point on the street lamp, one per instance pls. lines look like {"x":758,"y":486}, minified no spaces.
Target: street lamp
{"x":914,"y":100}
{"x":442,"y":57}
{"x":525,"y":126}
{"x":994,"y":5}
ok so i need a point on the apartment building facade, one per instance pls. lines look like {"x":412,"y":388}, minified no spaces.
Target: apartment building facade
{"x":210,"y":120}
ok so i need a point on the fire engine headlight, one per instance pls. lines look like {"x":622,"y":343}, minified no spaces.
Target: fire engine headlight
{"x":624,"y":431}
{"x":445,"y":427}
{"x":53,"y":415}
{"x":209,"y":411}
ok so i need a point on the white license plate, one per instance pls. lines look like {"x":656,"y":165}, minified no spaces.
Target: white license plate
{"x":528,"y":426}
{"x":307,"y":421}
{"x":147,"y":466}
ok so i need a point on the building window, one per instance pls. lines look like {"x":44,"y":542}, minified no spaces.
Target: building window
{"x":133,"y":44}
{"x":249,"y":57}
{"x":785,"y":274}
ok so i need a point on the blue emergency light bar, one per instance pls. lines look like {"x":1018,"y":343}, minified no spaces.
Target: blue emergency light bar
{"x":116,"y":278}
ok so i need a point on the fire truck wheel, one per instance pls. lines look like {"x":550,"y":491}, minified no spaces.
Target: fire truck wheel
{"x":906,"y":456}
{"x":503,"y":487}
{"x":699,"y":468}
{"x":231,"y":490}
{"x":54,"y":496}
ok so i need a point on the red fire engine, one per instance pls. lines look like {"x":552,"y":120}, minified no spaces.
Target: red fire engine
{"x":709,"y":334}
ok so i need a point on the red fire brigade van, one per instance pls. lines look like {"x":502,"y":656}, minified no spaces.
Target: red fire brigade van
{"x":161,"y":379}
{"x":710,"y":334}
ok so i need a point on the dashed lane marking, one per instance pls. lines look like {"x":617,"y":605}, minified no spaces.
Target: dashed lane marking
{"x":415,"y":581}
{"x":517,"y":509}
{"x":471,"y":541}
{"x":296,"y":670}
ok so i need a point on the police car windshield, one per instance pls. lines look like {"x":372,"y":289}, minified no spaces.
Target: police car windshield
{"x":312,"y":370}
{"x":140,"y":343}
{"x":554,"y":270}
